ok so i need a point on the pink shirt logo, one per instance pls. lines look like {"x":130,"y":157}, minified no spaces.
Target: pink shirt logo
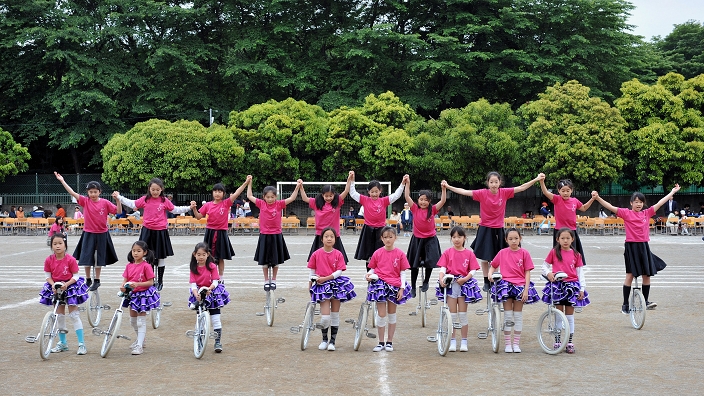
{"x":396,"y":262}
{"x":520,"y":263}
{"x":574,"y":208}
{"x":222,"y":211}
{"x":160,"y":208}
{"x":466,"y":263}
{"x":500,"y":202}
{"x":65,"y":269}
{"x":102,"y":211}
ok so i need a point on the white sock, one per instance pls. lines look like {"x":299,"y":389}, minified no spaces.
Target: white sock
{"x":325,"y":321}
{"x":215,"y":320}
{"x":141,"y":329}
{"x":133,"y":322}
{"x":570,"y":320}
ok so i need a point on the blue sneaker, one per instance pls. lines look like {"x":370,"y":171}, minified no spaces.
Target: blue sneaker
{"x":60,"y":347}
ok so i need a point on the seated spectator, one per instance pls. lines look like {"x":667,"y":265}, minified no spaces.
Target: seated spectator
{"x":77,"y":213}
{"x":12,"y":213}
{"x":37,"y":212}
{"x":544,"y":210}
{"x":60,"y":211}
{"x":20,"y":213}
{"x":396,"y":216}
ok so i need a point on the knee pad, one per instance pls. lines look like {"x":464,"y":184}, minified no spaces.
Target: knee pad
{"x":455,"y":317}
{"x":570,"y":320}
{"x":463,"y":319}
{"x":380,"y":322}
{"x":162,"y":263}
{"x":133,"y":322}
{"x":518,"y":321}
{"x":215,"y":320}
{"x":325,"y":321}
{"x":61,"y":321}
{"x":508,"y":317}
{"x":77,"y":323}
{"x":334,"y":319}
{"x":392,"y":318}
{"x":142,"y":322}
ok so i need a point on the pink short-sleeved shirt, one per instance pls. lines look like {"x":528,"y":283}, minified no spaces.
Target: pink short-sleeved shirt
{"x":55,"y":228}
{"x":492,"y":207}
{"x":218,"y":214}
{"x":568,"y":265}
{"x":325,"y":263}
{"x":96,"y":214}
{"x":141,"y":272}
{"x":61,"y":270}
{"x":423,"y":227}
{"x":637,"y":224}
{"x":513,"y":265}
{"x":154,"y":212}
{"x":270,"y":216}
{"x":458,"y":262}
{"x":326,"y":217}
{"x":205,"y":276}
{"x":566,"y":211}
{"x":374,"y":210}
{"x":388,"y":264}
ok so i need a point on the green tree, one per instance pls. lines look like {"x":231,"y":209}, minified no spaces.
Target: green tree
{"x":13,"y":157}
{"x":573,"y":135}
{"x":683,"y":48}
{"x":666,"y":140}
{"x":185,"y":154}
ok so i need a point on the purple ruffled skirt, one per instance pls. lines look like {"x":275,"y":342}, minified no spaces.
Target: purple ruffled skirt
{"x":143,"y":301}
{"x":76,"y":294}
{"x":381,"y":291}
{"x":217,"y":298}
{"x":338,"y":289}
{"x":469,"y":290}
{"x":504,"y":290}
{"x":565,"y":292}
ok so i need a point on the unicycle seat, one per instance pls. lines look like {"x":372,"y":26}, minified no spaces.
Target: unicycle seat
{"x":559,"y":276}
{"x":496,"y":276}
{"x":448,"y":279}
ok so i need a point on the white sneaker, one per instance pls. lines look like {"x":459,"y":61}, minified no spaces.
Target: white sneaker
{"x":323,"y":345}
{"x":389,"y":347}
{"x":516,"y":348}
{"x":463,"y":346}
{"x":453,"y":345}
{"x":137,"y":350}
{"x":134,"y":344}
{"x":331,"y":347}
{"x":508,"y":349}
{"x":81,"y":349}
{"x":378,"y":348}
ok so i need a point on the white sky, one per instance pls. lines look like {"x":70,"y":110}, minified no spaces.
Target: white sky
{"x":656,"y":17}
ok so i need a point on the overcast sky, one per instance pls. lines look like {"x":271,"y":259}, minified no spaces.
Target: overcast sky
{"x":656,"y":17}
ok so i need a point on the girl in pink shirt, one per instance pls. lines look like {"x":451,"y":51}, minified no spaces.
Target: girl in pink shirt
{"x":492,"y":209}
{"x":387,"y":285}
{"x":326,"y":206}
{"x":331,"y":289}
{"x":218,"y":217}
{"x":62,"y":267}
{"x":204,"y":273}
{"x":424,"y":248}
{"x":566,"y":207}
{"x":59,"y":228}
{"x":462,"y":263}
{"x":271,"y":247}
{"x":639,"y":260}
{"x":95,"y":239}
{"x":568,"y":293}
{"x":515,"y":287}
{"x":140,"y":276}
{"x":374,"y":209}
{"x":155,"y":223}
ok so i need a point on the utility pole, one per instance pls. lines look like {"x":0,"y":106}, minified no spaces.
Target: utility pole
{"x":210,"y":115}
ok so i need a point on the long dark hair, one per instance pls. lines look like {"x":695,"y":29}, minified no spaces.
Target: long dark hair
{"x":63,"y":223}
{"x":428,"y":194}
{"x":159,"y":183}
{"x":558,"y":249}
{"x":320,"y":201}
{"x":148,"y":257}
{"x":512,"y":229}
{"x":459,"y":231}
{"x":208,"y":261}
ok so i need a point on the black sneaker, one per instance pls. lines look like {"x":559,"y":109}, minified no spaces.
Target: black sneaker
{"x":267,"y":286}
{"x":159,"y":286}
{"x":89,"y":282}
{"x":485,"y":288}
{"x":413,"y":292}
{"x":424,"y":288}
{"x":95,"y":285}
{"x":273,"y":286}
{"x":624,"y":309}
{"x":650,"y":305}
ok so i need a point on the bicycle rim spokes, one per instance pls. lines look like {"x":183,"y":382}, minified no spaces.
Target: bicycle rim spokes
{"x":423,"y":308}
{"x":47,"y":333}
{"x":444,"y":331}
{"x":111,"y":333}
{"x":360,"y":325}
{"x":495,"y":327}
{"x":308,"y":325}
{"x":95,"y":309}
{"x":637,"y":309}
{"x":202,"y":333}
{"x":269,"y":307}
{"x":553,"y":326}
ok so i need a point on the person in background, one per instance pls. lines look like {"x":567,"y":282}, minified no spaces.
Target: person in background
{"x":60,"y":211}
{"x":449,"y":211}
{"x":77,"y":214}
{"x":12,"y":213}
{"x":20,"y":213}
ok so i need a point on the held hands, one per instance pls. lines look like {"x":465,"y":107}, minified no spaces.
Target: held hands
{"x":193,"y":205}
{"x":351,"y":176}
{"x":299,"y":182}
{"x":443,"y":184}
{"x":249,"y":179}
{"x":541,"y":176}
{"x":595,"y":194}
{"x":116,"y":195}
{"x":406,"y":179}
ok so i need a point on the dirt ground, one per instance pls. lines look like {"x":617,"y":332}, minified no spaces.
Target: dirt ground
{"x":611,"y":357}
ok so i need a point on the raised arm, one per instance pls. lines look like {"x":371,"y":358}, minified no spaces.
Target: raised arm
{"x":353,"y":191}
{"x":526,"y":185}
{"x":118,"y":206}
{"x":250,"y":196}
{"x":398,"y":193}
{"x":239,"y":191}
{"x":343,"y":194}
{"x":586,"y":206}
{"x":407,"y":194}
{"x":305,"y":198}
{"x":66,"y":186}
{"x":603,"y":203}
{"x":294,"y":194}
{"x":457,"y":190}
{"x":443,"y":196}
{"x":543,"y":188}
{"x":666,"y":198}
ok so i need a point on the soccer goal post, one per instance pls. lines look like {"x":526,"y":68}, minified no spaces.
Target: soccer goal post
{"x":301,"y":209}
